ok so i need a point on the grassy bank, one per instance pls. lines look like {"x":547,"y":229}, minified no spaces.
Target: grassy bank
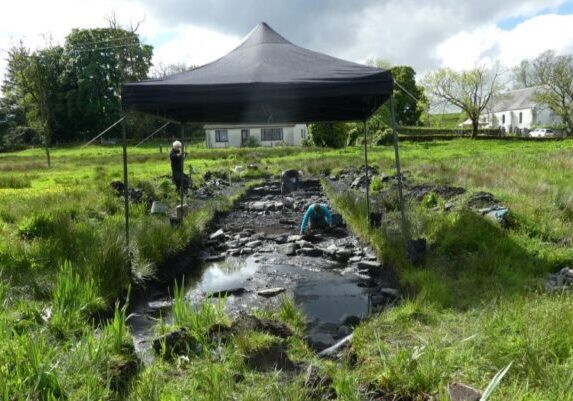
{"x":477,"y":305}
{"x":478,"y":301}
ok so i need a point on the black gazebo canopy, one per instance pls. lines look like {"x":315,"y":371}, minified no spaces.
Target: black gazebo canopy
{"x":265,"y":79}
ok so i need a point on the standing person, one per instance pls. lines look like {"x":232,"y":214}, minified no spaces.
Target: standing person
{"x":289,"y":181}
{"x":177,"y":158}
{"x":316,"y":216}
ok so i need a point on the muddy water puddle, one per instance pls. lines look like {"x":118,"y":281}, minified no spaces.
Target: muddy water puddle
{"x":327,"y":276}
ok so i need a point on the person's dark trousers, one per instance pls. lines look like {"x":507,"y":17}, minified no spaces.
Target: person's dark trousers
{"x":317,"y":223}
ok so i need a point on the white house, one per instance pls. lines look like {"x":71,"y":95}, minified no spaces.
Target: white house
{"x":517,"y":111}
{"x":237,"y":135}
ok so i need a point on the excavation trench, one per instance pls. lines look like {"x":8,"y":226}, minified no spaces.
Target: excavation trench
{"x":254,"y":257}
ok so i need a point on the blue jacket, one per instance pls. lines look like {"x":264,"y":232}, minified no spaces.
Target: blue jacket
{"x":312,"y":214}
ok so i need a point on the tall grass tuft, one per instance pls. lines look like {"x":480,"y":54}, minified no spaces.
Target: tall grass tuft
{"x":74,"y":297}
{"x":197,"y":318}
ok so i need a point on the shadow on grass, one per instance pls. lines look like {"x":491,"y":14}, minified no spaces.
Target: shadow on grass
{"x":471,"y":261}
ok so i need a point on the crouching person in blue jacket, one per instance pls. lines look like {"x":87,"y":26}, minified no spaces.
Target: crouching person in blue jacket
{"x":316,"y":216}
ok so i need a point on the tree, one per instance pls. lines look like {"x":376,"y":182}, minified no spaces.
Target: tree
{"x":555,"y":74}
{"x":36,"y":84}
{"x":332,"y":135}
{"x":12,"y":114}
{"x":471,"y":90}
{"x":408,"y":109}
{"x":161,"y":70}
{"x":98,"y":62}
{"x":522,"y":75}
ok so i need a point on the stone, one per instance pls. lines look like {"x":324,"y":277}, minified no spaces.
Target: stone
{"x":254,"y":244}
{"x":287,"y":222}
{"x":312,"y":252}
{"x":355,"y":259}
{"x":246,"y":251}
{"x":258,"y":205}
{"x":214,"y":258}
{"x":217,"y":235}
{"x":270,"y":292}
{"x":320,"y":340}
{"x":227,"y":292}
{"x":288,"y":202}
{"x":280,"y":239}
{"x":336,"y":348}
{"x":463,"y":392}
{"x":159,"y":208}
{"x":181,"y":211}
{"x":294,"y":238}
{"x":343,"y":255}
{"x":288,"y":249}
{"x":350,"y":320}
{"x":234,"y":251}
{"x":369,"y":265}
{"x":304,"y":244}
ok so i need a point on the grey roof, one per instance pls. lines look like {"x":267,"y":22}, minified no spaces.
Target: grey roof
{"x":515,"y":100}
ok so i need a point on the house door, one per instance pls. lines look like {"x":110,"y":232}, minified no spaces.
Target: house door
{"x":244,"y":136}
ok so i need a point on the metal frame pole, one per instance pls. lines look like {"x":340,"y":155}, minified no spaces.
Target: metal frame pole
{"x":183,"y":167}
{"x":125,"y":182}
{"x":404,"y":222}
{"x":367,"y":174}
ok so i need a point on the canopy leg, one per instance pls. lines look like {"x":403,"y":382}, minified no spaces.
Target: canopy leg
{"x":367,"y":174}
{"x":182,"y":187}
{"x":125,"y":183}
{"x":404,"y":222}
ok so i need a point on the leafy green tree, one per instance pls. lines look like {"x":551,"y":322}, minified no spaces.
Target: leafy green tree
{"x":36,"y":84}
{"x":12,"y":114}
{"x":98,"y":62}
{"x":555,"y":74}
{"x":471,"y":90}
{"x":332,"y":135}
{"x":408,"y":109}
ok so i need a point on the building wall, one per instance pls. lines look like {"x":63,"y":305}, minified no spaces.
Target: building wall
{"x":532,"y":117}
{"x":292,"y":135}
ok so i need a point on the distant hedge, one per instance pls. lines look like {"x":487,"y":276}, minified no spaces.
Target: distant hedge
{"x":419,"y":131}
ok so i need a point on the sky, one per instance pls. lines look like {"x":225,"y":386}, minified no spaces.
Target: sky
{"x":426,"y":34}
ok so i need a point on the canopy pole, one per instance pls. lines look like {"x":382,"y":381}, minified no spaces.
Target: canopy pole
{"x":404,"y":222}
{"x":153,"y":133}
{"x":103,"y":132}
{"x":125,"y":183}
{"x":181,"y":186}
{"x":367,"y":175}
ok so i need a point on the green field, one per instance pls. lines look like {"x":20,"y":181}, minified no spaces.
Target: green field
{"x":476,"y":304}
{"x":447,"y":120}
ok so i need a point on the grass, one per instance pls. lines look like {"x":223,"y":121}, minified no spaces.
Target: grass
{"x":476,"y":303}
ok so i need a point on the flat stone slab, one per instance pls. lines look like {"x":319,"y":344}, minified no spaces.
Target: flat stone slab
{"x":294,"y":238}
{"x":214,"y":258}
{"x":463,"y":392}
{"x":254,"y":244}
{"x":227,"y":292}
{"x":367,"y":264}
{"x":271,"y":292}
{"x":219,"y":234}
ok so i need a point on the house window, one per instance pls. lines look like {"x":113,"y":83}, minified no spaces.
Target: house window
{"x":221,"y":135}
{"x":302,"y":133}
{"x":271,"y":134}
{"x":503,"y":118}
{"x":520,"y":117}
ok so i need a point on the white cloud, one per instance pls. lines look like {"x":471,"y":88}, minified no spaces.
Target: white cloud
{"x":193,"y":45}
{"x":526,"y":40}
